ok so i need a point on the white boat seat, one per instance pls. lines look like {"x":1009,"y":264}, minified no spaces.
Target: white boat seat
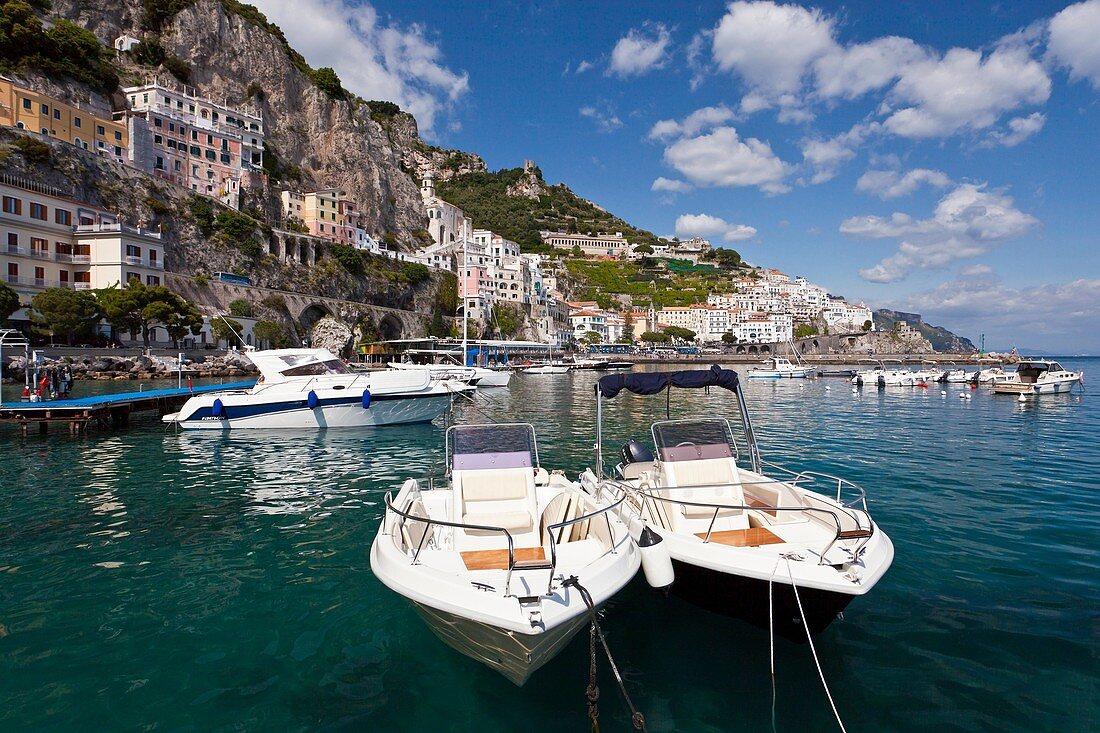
{"x":706,"y":481}
{"x":495,"y":497}
{"x":635,"y":470}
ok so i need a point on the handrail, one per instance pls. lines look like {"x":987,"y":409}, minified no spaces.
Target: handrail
{"x":444,"y":523}
{"x":718,"y":507}
{"x":570,"y":522}
{"x":862,"y":493}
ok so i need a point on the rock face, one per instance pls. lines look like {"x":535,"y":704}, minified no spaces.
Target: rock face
{"x":329,"y":333}
{"x":232,"y":364}
{"x":940,"y":338}
{"x":334,"y":142}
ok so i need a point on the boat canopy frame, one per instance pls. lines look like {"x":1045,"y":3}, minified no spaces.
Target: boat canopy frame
{"x":651,"y":383}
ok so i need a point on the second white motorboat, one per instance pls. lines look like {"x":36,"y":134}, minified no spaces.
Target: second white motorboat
{"x":491,"y":559}
{"x":779,"y":367}
{"x":312,"y":388}
{"x":1039,"y":376}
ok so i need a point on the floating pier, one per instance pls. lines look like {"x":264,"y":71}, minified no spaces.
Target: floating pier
{"x":104,"y":409}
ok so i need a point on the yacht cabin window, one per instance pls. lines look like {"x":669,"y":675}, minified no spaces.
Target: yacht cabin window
{"x":313,"y":368}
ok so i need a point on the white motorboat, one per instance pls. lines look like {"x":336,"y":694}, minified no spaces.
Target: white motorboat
{"x":548,"y":368}
{"x":956,"y":376}
{"x":737,"y":528}
{"x":1039,"y":376}
{"x":883,"y":376}
{"x":479,"y":376}
{"x":991,"y":374}
{"x":486,"y":559}
{"x":312,"y":388}
{"x":928,"y":373}
{"x":779,"y":367}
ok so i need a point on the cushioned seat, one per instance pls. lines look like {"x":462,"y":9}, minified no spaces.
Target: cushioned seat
{"x":705,"y":482}
{"x":495,"y":497}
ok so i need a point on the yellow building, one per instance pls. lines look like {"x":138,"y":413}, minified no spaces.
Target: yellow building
{"x":25,"y":109}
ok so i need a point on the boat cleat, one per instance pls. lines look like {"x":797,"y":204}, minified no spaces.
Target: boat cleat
{"x":532,"y":606}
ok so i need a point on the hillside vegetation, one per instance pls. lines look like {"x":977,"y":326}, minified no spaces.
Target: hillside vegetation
{"x":484,"y":197}
{"x":648,"y":281}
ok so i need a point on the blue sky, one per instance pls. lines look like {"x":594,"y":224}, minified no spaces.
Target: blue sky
{"x":936,"y":157}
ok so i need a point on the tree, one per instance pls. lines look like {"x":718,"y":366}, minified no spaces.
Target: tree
{"x":139,"y":308}
{"x":804,"y":330}
{"x":867,"y":325}
{"x":240,"y":308}
{"x":592,"y":337}
{"x":643,"y":249}
{"x":227,"y":330}
{"x":653,"y":337}
{"x":63,"y":312}
{"x":676,"y":332}
{"x":628,"y":330}
{"x":9,"y":301}
{"x":729,"y":338}
{"x":179,"y":322}
{"x":728,"y":259}
{"x":268,"y":331}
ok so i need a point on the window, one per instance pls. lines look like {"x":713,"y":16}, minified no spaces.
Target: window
{"x":171,"y":127}
{"x":177,"y":166}
{"x":63,"y":277}
{"x":118,"y":151}
{"x":209,"y":139}
{"x":196,"y":150}
{"x":158,"y":139}
{"x":172,"y":144}
{"x":63,"y":248}
{"x":13,"y":205}
{"x":82,"y":277}
{"x":226,"y":158}
{"x":26,"y":104}
{"x":194,"y":135}
{"x":38,"y":211}
{"x":152,"y":280}
{"x":46,"y":110}
{"x":190,"y":108}
{"x":157,"y":122}
{"x":13,"y":272}
{"x":211,"y":155}
{"x":39,"y":245}
{"x":118,"y":135}
{"x":13,"y":242}
{"x":44,"y":131}
{"x":40,"y":276}
{"x":133,"y":251}
{"x":183,"y":130}
{"x":159,"y":165}
{"x":133,"y":276}
{"x":99,"y":130}
{"x":57,"y":114}
{"x":152,"y":255}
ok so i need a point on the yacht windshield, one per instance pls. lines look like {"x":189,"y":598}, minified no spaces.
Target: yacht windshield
{"x":313,"y":368}
{"x":692,"y":440}
{"x":492,"y":446}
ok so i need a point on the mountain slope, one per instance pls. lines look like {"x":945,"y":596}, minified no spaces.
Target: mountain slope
{"x":518,"y":204}
{"x":941,"y":339}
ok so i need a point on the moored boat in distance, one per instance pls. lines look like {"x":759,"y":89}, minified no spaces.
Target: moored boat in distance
{"x":486,"y":559}
{"x":312,"y":388}
{"x":778,"y":367}
{"x":1039,"y":376}
{"x":884,"y":376}
{"x":741,"y":533}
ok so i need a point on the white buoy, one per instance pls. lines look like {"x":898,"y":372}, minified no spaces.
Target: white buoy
{"x":962,"y":395}
{"x":943,"y":393}
{"x":656,"y":562}
{"x":827,"y":388}
{"x":1021,"y":398}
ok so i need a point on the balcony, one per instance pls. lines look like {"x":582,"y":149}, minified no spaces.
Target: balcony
{"x":42,"y":254}
{"x":156,"y":264}
{"x":115,"y":228}
{"x":76,"y":259}
{"x":133,"y":260}
{"x":12,"y":250}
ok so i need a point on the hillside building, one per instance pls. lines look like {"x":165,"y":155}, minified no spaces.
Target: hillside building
{"x":596,"y":245}
{"x":446,"y":222}
{"x":25,"y":109}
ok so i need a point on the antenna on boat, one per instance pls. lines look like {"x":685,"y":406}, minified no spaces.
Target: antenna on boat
{"x":240,"y":339}
{"x":465,"y":294}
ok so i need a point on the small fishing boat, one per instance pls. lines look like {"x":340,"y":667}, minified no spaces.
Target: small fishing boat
{"x":742,"y":534}
{"x":779,"y":367}
{"x":1039,"y":376}
{"x":312,"y":388}
{"x":485,"y":558}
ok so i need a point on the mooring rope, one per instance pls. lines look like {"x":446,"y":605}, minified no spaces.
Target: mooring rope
{"x":813,"y":651}
{"x":771,"y":635}
{"x":592,"y":694}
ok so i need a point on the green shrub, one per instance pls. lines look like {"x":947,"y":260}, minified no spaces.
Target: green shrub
{"x":347,"y":256}
{"x":35,"y":151}
{"x":235,"y":226}
{"x":178,"y":68}
{"x":158,"y":207}
{"x":202,"y":212}
{"x":202,"y":280}
{"x":414,"y":272}
{"x":240,"y":308}
{"x":328,"y":82}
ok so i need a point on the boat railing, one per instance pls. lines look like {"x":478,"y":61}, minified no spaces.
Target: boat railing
{"x":862,"y":533}
{"x":604,"y":511}
{"x":857,"y":494}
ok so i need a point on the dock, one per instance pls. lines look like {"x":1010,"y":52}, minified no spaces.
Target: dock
{"x":104,"y":409}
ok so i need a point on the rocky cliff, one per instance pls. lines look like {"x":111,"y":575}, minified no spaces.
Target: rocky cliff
{"x":320,"y":138}
{"x":940,"y":338}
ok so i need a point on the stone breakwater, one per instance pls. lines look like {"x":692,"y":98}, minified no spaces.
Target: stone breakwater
{"x":139,"y":367}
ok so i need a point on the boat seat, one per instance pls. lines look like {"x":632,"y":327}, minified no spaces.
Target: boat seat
{"x":495,"y":497}
{"x":635,"y":470}
{"x":706,"y":481}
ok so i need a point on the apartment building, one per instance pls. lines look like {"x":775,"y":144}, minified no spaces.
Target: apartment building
{"x":48,"y":240}
{"x":597,"y":245}
{"x":197,"y":143}
{"x":25,"y":109}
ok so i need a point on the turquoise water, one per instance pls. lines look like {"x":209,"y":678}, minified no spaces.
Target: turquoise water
{"x":154,"y":581}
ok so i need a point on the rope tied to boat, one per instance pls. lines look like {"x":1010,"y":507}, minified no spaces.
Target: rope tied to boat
{"x":592,"y":694}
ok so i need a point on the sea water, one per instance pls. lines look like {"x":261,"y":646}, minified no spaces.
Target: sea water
{"x":151,"y":580}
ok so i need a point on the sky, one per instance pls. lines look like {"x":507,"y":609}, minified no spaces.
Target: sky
{"x":933,"y":157}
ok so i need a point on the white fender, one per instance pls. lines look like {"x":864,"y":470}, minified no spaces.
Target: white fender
{"x":656,"y":562}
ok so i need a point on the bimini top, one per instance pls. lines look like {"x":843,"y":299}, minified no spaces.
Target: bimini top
{"x":653,"y":382}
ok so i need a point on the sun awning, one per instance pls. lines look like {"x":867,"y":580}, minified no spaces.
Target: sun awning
{"x":646,"y":383}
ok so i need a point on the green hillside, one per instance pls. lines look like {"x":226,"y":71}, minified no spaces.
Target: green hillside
{"x":649,"y":281}
{"x":484,"y":197}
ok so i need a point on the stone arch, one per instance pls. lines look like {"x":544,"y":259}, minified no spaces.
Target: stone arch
{"x":816,"y":344}
{"x":765,"y":349}
{"x":390,"y":327}
{"x":313,"y":313}
{"x":740,"y":349}
{"x":752,"y":350}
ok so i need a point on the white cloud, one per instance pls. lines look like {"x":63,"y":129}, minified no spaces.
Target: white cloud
{"x":667,"y":184}
{"x":583,"y":66}
{"x":968,"y":221}
{"x":965,"y":90}
{"x":640,"y":51}
{"x":977,"y":301}
{"x":705,"y":225}
{"x":825,"y":157}
{"x":1074,"y":40}
{"x":721,"y":158}
{"x":374,"y":59}
{"x":1019,"y":129}
{"x":698,"y":121}
{"x":604,"y":116}
{"x":771,"y":47}
{"x":851,"y":72}
{"x":895,"y":184}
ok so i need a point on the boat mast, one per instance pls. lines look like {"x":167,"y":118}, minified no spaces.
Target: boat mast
{"x":465,"y":295}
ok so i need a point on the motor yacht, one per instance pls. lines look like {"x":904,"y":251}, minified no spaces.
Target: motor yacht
{"x":779,"y":367}
{"x":883,"y":376}
{"x":484,"y":557}
{"x":737,"y":528}
{"x":312,"y":388}
{"x":1039,"y":376}
{"x":547,"y":368}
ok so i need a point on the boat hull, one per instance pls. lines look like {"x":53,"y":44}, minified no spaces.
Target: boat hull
{"x":1061,"y":386}
{"x":294,"y":414}
{"x":785,"y":374}
{"x":514,"y":655}
{"x":746,"y":598}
